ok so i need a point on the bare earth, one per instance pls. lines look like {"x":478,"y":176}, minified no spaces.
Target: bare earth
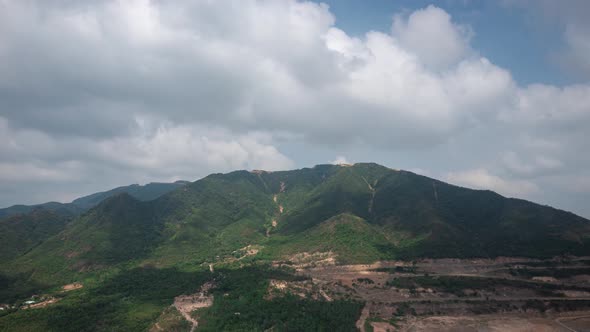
{"x":41,"y":304}
{"x":509,"y":301}
{"x":185,"y":304}
{"x":71,"y":287}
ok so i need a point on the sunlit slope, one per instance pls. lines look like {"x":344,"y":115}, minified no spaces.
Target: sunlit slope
{"x":360,"y":213}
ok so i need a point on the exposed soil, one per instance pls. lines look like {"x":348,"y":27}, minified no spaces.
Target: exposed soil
{"x":41,"y":304}
{"x":303,"y":289}
{"x":575,"y":323}
{"x":73,"y":286}
{"x":382,"y":327}
{"x":360,"y":323}
{"x":373,"y":191}
{"x":305,"y":260}
{"x":185,"y":304}
{"x":504,"y":322}
{"x":465,"y":294}
{"x":274,"y":223}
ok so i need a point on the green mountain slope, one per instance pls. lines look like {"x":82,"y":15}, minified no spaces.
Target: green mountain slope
{"x":359,"y":213}
{"x":146,"y":192}
{"x":65,"y":209}
{"x":22,"y":232}
{"x":135,"y":256}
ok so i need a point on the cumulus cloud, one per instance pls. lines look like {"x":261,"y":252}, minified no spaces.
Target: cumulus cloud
{"x":140,"y":90}
{"x":214,"y":62}
{"x":482,"y":179}
{"x":530,"y":167}
{"x":430,"y":34}
{"x":157,"y":152}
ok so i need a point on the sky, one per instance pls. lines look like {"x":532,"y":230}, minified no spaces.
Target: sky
{"x":483,"y":94}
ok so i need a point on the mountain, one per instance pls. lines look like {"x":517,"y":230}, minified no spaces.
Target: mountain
{"x":142,"y":192}
{"x":146,"y":192}
{"x":349,"y":214}
{"x":60,"y":208}
{"x":22,"y":232}
{"x":360,"y":213}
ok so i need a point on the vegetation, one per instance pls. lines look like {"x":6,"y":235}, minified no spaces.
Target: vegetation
{"x":128,"y":301}
{"x":135,"y":254}
{"x":146,"y":192}
{"x":21,"y":233}
{"x":240,"y":305}
{"x":458,"y":285}
{"x":397,"y":269}
{"x":557,"y":273}
{"x":134,"y":299}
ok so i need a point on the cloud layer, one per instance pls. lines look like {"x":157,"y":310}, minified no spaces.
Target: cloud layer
{"x":130,"y":91}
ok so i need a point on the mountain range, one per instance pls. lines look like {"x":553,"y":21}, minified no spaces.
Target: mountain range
{"x":358,"y":213}
{"x":146,"y":192}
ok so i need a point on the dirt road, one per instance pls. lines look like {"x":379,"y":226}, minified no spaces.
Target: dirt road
{"x":185,"y":304}
{"x":360,"y":323}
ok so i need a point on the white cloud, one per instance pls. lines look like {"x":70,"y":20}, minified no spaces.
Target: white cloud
{"x":214,"y":62}
{"x":157,"y":152}
{"x":433,"y":37}
{"x":131,"y":91}
{"x":182,"y":149}
{"x":531,"y":167}
{"x":340,"y":160}
{"x":482,"y":179}
{"x":30,"y":173}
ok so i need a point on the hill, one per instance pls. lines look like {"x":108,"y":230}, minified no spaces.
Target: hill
{"x":331,"y":213}
{"x":22,"y":232}
{"x":142,"y":192}
{"x":397,"y":214}
{"x":145,"y":192}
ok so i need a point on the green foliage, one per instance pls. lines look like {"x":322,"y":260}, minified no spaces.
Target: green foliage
{"x":352,"y":238}
{"x":550,"y":272}
{"x":397,"y":269}
{"x":129,"y":301}
{"x":458,"y":285}
{"x":15,"y":287}
{"x":146,"y":192}
{"x":404,"y":309}
{"x":171,"y":320}
{"x":240,"y":306}
{"x":22,"y":232}
{"x":361,"y":213}
{"x":134,"y":299}
{"x":365,"y":281}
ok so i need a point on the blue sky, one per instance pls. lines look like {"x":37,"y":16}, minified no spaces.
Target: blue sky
{"x":509,"y":35}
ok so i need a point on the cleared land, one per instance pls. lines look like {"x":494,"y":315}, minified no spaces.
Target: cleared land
{"x":503,"y":294}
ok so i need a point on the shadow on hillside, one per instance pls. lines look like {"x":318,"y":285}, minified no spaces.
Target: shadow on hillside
{"x":18,"y":287}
